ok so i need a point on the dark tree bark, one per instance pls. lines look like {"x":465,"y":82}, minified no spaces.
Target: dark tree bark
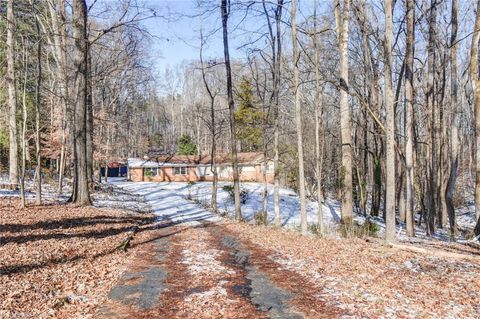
{"x":433,"y":171}
{"x":81,"y":195}
{"x":476,"y":94}
{"x":298,"y":121}
{"x":225,"y":12}
{"x":453,"y":140}
{"x":213,"y":150}
{"x":89,"y":124}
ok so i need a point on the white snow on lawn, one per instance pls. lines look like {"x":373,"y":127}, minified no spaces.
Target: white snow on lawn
{"x":167,"y":201}
{"x":183,"y":202}
{"x":176,"y":200}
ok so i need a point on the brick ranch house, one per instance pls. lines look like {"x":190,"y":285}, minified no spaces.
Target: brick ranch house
{"x":193,"y":168}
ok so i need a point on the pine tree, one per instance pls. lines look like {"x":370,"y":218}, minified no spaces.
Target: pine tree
{"x":186,"y":146}
{"x":248,"y":118}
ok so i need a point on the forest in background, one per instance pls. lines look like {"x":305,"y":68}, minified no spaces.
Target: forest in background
{"x":372,"y":103}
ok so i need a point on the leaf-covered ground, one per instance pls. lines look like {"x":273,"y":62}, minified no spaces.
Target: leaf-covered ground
{"x":369,"y":280}
{"x":59,"y":261}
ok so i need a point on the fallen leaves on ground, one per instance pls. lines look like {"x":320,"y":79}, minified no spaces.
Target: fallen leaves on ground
{"x":58,"y":260}
{"x":370,"y":280}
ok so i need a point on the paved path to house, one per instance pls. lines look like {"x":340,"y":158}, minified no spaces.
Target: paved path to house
{"x":196,"y":268}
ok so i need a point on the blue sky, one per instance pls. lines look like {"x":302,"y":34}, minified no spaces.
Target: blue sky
{"x":177,"y":38}
{"x":175,"y":30}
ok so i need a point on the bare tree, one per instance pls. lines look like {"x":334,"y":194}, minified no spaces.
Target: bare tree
{"x":409,"y":89}
{"x":225,"y":12}
{"x":81,"y":195}
{"x":390,"y":128}
{"x":24,"y":123}
{"x":276,"y":48}
{"x":476,"y":100}
{"x":298,"y":119}
{"x":318,"y":118}
{"x":12,"y":97}
{"x":342,"y":22}
{"x":453,"y":140}
{"x":213,"y":153}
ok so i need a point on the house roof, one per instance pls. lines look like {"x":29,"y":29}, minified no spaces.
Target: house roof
{"x":138,"y":162}
{"x":182,"y":160}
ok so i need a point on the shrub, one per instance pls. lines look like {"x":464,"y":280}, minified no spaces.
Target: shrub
{"x":371,"y":228}
{"x":228,"y":188}
{"x":260,"y":218}
{"x":314,"y":229}
{"x":243,"y":193}
{"x":149,"y":173}
{"x":367,"y":229}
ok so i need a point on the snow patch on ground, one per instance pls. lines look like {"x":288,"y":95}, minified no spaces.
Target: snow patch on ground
{"x":205,"y":261}
{"x":178,"y":199}
{"x":189,"y":202}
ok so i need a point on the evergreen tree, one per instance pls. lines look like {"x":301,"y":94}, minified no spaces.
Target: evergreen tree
{"x":186,"y":146}
{"x":248,"y":118}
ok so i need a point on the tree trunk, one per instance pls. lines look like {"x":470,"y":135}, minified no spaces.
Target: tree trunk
{"x":231,"y":109}
{"x":89,"y":124}
{"x":390,"y":129}
{"x":298,"y":120}
{"x":12,"y":98}
{"x":409,"y":94}
{"x":318,"y":119}
{"x":81,"y":195}
{"x":61,"y":49}
{"x":453,"y":140}
{"x":433,"y":169}
{"x":24,"y":127}
{"x":213,"y":153}
{"x":476,"y":100}
{"x":342,"y":22}
{"x":38,"y":171}
{"x":276,"y":91}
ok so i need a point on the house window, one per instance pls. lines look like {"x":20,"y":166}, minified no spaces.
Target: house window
{"x":180,"y":171}
{"x":204,"y":171}
{"x":270,"y":168}
{"x":150,"y":171}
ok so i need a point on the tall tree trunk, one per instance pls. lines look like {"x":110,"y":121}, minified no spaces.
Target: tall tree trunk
{"x":61,"y":49}
{"x":24,"y":127}
{"x":12,"y":96}
{"x":409,"y":94}
{"x":342,"y":22}
{"x":38,"y":171}
{"x":390,"y":129}
{"x":89,"y":124}
{"x":213,"y":153}
{"x":276,"y":133}
{"x":453,"y":140}
{"x":264,"y":173}
{"x":298,"y":120}
{"x":318,"y":119}
{"x":81,"y":195}
{"x":433,"y":169}
{"x":231,"y":108}
{"x":476,"y":100}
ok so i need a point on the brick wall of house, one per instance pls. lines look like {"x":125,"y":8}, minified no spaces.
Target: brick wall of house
{"x":169,"y":176}
{"x":136,"y":174}
{"x":166,"y":174}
